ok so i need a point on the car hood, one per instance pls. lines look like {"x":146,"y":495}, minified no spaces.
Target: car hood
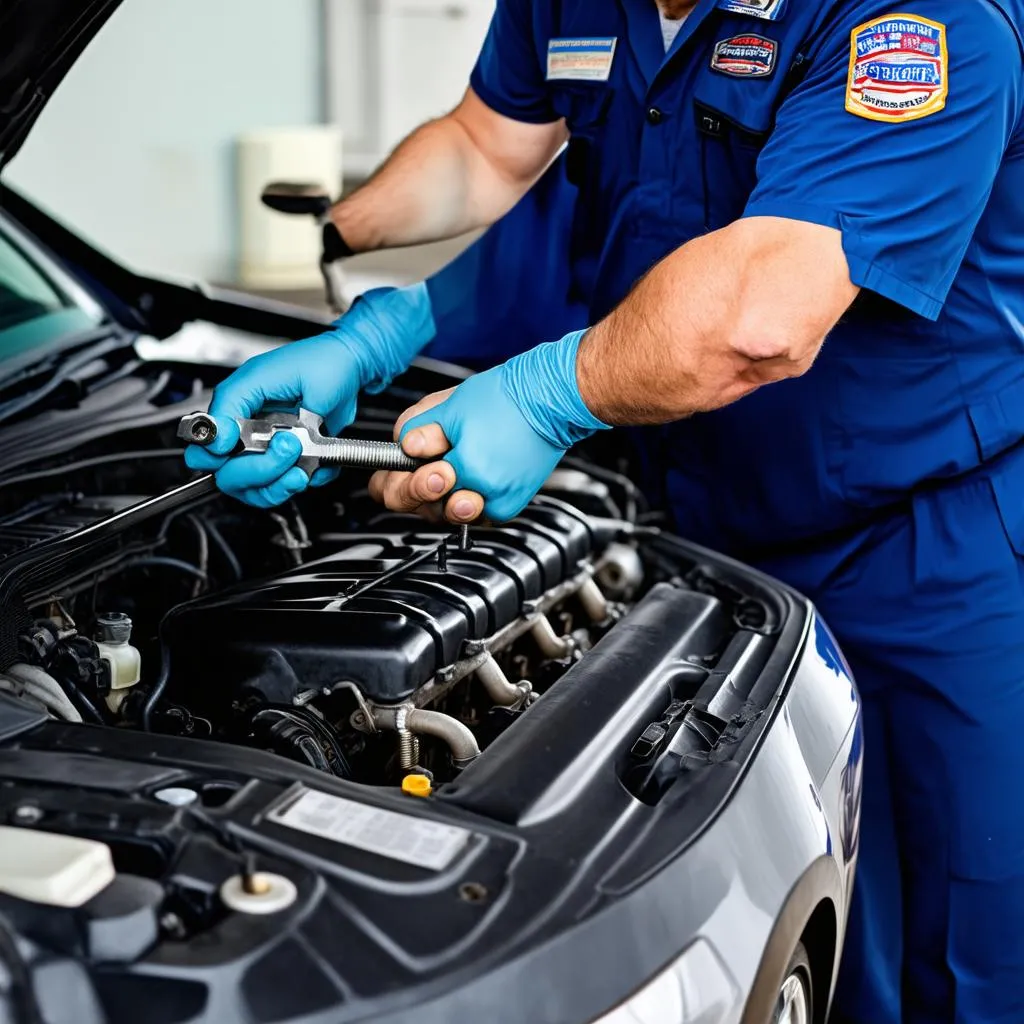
{"x":39,"y":41}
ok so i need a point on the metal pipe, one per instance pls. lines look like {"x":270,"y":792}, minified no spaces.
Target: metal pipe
{"x":504,"y":693}
{"x":460,"y":740}
{"x":550,"y":643}
{"x":448,"y":677}
{"x":457,"y":736}
{"x":594,"y":602}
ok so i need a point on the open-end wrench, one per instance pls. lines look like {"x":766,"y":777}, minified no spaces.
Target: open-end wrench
{"x":318,"y":449}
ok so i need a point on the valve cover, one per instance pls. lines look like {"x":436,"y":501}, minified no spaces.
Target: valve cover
{"x":371,"y":615}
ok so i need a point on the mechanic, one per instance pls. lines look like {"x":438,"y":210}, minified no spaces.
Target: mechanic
{"x":754,"y":176}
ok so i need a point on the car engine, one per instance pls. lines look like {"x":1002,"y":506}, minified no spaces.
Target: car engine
{"x":362,"y":643}
{"x":397,"y":644}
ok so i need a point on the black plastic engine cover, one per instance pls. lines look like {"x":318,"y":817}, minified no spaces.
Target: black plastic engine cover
{"x":301,"y":630}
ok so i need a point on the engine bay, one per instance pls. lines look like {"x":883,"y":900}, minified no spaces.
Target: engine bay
{"x":364,"y":644}
{"x":361,"y":643}
{"x":219,"y":694}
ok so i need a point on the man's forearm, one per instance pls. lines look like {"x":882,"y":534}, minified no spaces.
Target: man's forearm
{"x":459,"y":173}
{"x":721,"y":316}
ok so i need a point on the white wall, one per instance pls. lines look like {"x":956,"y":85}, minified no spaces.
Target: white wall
{"x":395,"y":64}
{"x":136,"y":150}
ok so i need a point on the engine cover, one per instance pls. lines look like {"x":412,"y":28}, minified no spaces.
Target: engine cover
{"x":309,"y":629}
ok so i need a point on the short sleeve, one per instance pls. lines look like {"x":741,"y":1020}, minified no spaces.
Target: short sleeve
{"x":895,"y":138}
{"x":508,"y":76}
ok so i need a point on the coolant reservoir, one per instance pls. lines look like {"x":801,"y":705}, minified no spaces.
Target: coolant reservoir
{"x":113,"y":636}
{"x":58,"y":870}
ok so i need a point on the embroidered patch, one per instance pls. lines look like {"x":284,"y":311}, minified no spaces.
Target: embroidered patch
{"x":769,"y":10}
{"x":746,"y":56}
{"x":899,"y":68}
{"x":586,"y":60}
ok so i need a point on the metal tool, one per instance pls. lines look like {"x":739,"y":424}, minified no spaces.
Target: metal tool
{"x":318,"y":449}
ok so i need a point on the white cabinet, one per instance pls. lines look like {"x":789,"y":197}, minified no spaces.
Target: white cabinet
{"x":393,"y":64}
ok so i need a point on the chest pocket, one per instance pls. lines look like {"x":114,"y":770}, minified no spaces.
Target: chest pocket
{"x":735,"y":114}
{"x":586,"y":109}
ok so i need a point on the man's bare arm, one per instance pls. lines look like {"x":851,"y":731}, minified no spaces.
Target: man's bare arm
{"x":726,"y":313}
{"x":461,"y":172}
{"x":718,"y":318}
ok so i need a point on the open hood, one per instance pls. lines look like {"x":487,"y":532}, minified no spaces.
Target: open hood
{"x":39,"y":41}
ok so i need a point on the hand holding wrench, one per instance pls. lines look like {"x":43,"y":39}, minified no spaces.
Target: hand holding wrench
{"x":318,"y":449}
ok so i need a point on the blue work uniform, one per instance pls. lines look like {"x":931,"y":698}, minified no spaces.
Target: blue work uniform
{"x":887,"y":482}
{"x":490,"y":303}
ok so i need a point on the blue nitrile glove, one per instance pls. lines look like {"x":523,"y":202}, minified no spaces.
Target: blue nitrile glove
{"x":509,"y":427}
{"x":372,"y":343}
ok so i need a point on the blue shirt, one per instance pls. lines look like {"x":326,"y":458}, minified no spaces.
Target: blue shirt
{"x":897,"y":124}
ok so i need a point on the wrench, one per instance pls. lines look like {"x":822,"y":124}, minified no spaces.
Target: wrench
{"x":317,"y":448}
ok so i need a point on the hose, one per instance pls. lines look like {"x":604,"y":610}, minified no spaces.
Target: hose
{"x":155,"y":694}
{"x":225,"y":549}
{"x":302,"y":731}
{"x":36,"y":683}
{"x":163,"y":562}
{"x":146,"y":716}
{"x":89,"y":711}
{"x":635,"y":497}
{"x":203,"y":554}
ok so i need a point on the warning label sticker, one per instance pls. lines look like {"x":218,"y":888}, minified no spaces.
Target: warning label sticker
{"x":425,"y":844}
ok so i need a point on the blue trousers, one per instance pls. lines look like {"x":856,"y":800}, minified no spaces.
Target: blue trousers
{"x":928,"y":607}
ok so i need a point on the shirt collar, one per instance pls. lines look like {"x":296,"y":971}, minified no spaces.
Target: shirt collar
{"x":645,"y":37}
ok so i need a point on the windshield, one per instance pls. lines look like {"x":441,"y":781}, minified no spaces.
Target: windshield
{"x":34,"y":311}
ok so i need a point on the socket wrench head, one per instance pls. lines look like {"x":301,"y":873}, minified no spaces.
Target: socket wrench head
{"x":198,"y":428}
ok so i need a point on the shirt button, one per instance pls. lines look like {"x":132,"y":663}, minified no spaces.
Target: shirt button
{"x":655,"y":116}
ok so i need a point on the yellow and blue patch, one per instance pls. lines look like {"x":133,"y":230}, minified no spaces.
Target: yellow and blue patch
{"x":899,"y":69}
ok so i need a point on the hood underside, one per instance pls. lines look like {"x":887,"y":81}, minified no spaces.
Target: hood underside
{"x":39,"y":42}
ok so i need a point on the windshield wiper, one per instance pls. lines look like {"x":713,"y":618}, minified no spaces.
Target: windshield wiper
{"x":57,"y":368}
{"x":46,"y":356}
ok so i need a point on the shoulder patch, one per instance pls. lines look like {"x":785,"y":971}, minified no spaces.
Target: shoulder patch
{"x":899,"y":68}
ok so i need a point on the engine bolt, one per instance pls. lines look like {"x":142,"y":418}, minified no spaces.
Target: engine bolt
{"x":473,"y":892}
{"x":173,"y":926}
{"x":27,"y":814}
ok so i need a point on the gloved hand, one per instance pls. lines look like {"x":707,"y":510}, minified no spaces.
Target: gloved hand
{"x":377,"y":339}
{"x":507,"y":429}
